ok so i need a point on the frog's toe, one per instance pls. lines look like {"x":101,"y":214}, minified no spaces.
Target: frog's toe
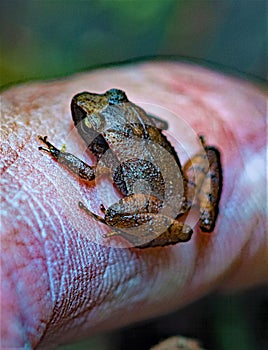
{"x":44,"y":140}
{"x":81,"y":205}
{"x":102,"y":208}
{"x":110,"y":234}
{"x":44,"y":149}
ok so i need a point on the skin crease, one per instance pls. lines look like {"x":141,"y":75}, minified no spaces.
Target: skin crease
{"x":58,"y":283}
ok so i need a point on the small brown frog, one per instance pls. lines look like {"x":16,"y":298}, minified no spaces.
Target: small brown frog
{"x":157,"y":192}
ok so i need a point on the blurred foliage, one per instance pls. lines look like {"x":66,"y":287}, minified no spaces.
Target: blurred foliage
{"x":45,"y":39}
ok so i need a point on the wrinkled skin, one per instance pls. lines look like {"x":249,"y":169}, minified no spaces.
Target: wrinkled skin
{"x":58,"y":282}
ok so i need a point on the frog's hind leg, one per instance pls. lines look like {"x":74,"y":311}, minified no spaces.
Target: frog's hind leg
{"x":74,"y":164}
{"x":204,"y":184}
{"x":210,"y":192}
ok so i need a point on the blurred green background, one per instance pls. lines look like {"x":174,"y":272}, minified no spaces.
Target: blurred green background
{"x":49,"y":39}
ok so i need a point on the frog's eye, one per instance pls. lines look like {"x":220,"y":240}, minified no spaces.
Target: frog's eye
{"x":78,"y":113}
{"x":116,"y":96}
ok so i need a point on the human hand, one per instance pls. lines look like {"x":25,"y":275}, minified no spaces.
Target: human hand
{"x":58,"y":282}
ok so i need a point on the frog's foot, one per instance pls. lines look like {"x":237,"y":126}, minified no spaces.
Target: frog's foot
{"x":90,"y":213}
{"x":99,"y":218}
{"x":51,"y":149}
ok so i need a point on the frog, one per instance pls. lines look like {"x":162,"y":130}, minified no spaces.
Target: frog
{"x":157,"y":192}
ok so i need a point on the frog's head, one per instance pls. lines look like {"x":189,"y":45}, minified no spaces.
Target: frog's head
{"x":86,"y":107}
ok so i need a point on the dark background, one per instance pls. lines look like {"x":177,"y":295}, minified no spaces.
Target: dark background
{"x":49,"y":39}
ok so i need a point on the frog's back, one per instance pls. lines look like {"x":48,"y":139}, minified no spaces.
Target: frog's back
{"x":129,"y":128}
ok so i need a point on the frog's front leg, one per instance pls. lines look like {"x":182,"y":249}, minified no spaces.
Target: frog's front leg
{"x":74,"y":164}
{"x":137,"y":219}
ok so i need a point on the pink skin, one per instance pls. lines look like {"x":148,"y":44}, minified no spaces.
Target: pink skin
{"x":58,"y":282}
